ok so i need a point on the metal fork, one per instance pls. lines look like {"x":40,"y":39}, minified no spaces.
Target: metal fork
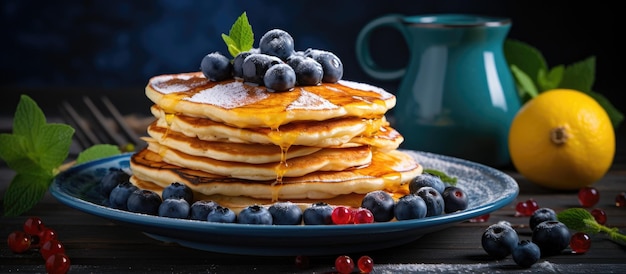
{"x":102,"y":124}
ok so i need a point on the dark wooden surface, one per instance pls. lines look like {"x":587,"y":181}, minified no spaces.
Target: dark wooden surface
{"x":96,"y":245}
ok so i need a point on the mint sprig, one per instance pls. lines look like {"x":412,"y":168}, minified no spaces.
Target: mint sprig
{"x":443,"y":176}
{"x":36,"y":151}
{"x":533,"y":76}
{"x":579,"y":219}
{"x":240,"y":38}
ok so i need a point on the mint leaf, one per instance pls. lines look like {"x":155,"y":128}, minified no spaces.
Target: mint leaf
{"x":240,"y":37}
{"x":97,"y":152}
{"x":526,"y":88}
{"x":442,"y":175}
{"x":580,"y":76}
{"x":52,"y":145}
{"x":552,"y":79}
{"x":525,"y":57}
{"x":28,"y":117}
{"x":24,"y":192}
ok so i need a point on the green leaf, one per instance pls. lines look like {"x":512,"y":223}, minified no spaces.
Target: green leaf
{"x":527,"y":58}
{"x":579,"y":219}
{"x":580,"y":76}
{"x":525,"y":86}
{"x":552,"y":79}
{"x":24,"y":192}
{"x":614,"y":114}
{"x":442,"y":175}
{"x":28,"y":117}
{"x":52,"y":145}
{"x":18,"y":156}
{"x":97,"y":152}
{"x":240,"y":38}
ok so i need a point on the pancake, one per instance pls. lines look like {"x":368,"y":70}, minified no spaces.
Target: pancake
{"x":242,"y":105}
{"x":224,"y":151}
{"x":327,"y":159}
{"x":390,"y":171}
{"x":338,"y":132}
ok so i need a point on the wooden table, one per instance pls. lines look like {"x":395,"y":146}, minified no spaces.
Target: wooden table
{"x":97,"y":245}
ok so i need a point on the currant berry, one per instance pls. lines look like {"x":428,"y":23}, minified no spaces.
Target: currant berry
{"x":18,"y":241}
{"x":620,"y":199}
{"x":342,"y":215}
{"x":51,"y":247}
{"x":363,"y":216}
{"x":599,"y":215}
{"x":588,"y":196}
{"x":479,"y":219}
{"x":302,"y":262}
{"x":344,"y":264}
{"x":580,"y":242}
{"x":365,"y":264}
{"x":33,"y":226}
{"x":526,"y":208}
{"x":57,"y":263}
{"x":532,"y":206}
{"x":46,"y":235}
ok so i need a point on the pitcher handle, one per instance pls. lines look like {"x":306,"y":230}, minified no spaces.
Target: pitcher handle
{"x":363,"y":54}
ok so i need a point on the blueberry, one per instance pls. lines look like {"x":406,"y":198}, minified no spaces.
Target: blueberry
{"x":221,"y":215}
{"x":277,"y":43}
{"x":285,"y":213}
{"x":308,"y":72}
{"x":119,"y":195}
{"x":112,"y":179}
{"x":144,"y":201}
{"x":331,"y":64}
{"x":179,"y":191}
{"x":255,"y":214}
{"x":381,"y":204}
{"x":174,"y":208}
{"x":454,"y":199}
{"x":526,"y":253}
{"x":427,"y":179}
{"x":200,"y":209}
{"x":541,"y":215}
{"x":256,"y":65}
{"x":318,"y":214}
{"x":216,"y":67}
{"x":551,"y":237}
{"x":499,"y":240}
{"x":280,"y":77}
{"x":409,"y":207}
{"x":434,"y":201}
{"x":238,"y":63}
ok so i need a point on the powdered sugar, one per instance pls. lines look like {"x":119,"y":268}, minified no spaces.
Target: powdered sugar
{"x":165,"y":85}
{"x":229,"y":95}
{"x":366,"y":87}
{"x":310,"y":101}
{"x":543,"y":267}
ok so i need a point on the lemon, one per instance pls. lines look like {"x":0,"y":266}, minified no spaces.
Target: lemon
{"x":562,"y":139}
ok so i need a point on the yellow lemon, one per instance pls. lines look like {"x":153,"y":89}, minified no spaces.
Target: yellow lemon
{"x":562,"y":139}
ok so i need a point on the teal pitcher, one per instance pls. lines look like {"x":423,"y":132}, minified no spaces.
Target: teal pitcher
{"x":457,"y":96}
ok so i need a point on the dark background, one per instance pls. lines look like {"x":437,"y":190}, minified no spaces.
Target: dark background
{"x":54,"y":49}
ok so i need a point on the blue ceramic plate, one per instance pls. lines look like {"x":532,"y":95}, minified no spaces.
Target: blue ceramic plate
{"x":488,"y":190}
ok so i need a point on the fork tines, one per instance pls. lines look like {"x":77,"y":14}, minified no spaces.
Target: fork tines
{"x":101,"y":124}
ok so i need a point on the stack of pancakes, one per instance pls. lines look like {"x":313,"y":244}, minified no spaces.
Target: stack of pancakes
{"x":240,"y":144}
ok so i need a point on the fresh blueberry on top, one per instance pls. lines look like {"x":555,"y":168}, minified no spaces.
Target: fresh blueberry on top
{"x":216,"y":67}
{"x":381,"y":204}
{"x":144,"y":201}
{"x":119,"y":195}
{"x":277,"y":43}
{"x":256,"y":65}
{"x":177,"y":190}
{"x":112,"y":179}
{"x":318,"y":214}
{"x":200,"y":209}
{"x":255,"y":214}
{"x":454,"y":199}
{"x":238,"y":64}
{"x":331,"y":64}
{"x":222,"y":215}
{"x":309,"y":72}
{"x":280,"y":77}
{"x":499,"y":240}
{"x":427,"y":179}
{"x":434,"y":201}
{"x":174,"y":208}
{"x":409,"y":207}
{"x":285,"y":213}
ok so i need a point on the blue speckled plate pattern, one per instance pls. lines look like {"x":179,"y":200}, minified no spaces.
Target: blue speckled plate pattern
{"x":488,"y":190}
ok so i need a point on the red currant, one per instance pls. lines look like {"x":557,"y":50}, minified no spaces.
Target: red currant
{"x":480,"y":219}
{"x":341,"y":215}
{"x":599,"y":215}
{"x":51,"y":247}
{"x":363,"y":216}
{"x":580,"y":242}
{"x":526,"y":208}
{"x":365,"y":264}
{"x":344,"y":264}
{"x":18,"y":241}
{"x":588,"y":196}
{"x":532,"y":206}
{"x":33,"y":226}
{"x":58,"y":263}
{"x":620,"y":199}
{"x":302,"y":261}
